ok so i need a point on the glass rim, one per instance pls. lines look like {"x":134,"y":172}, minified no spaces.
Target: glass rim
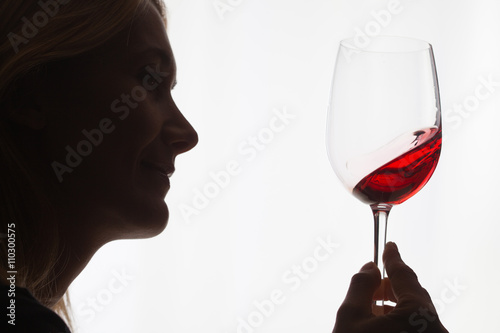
{"x":417,"y":45}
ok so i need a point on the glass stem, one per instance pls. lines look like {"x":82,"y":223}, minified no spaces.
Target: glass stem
{"x":380,"y":216}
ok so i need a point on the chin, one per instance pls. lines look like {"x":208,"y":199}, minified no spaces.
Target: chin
{"x":148,"y":222}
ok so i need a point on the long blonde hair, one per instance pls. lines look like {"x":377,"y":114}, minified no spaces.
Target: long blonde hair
{"x":34,"y":34}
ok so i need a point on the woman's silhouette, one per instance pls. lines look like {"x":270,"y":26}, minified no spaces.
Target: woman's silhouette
{"x":89,"y":134}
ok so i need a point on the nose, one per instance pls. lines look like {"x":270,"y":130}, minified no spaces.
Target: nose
{"x":179,"y":134}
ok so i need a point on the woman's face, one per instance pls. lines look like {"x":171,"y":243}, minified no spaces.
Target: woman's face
{"x":113,"y":131}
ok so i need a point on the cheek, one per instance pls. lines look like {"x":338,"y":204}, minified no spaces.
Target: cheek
{"x":108,"y":179}
{"x":105,"y":127}
{"x":74,"y":117}
{"x":134,"y":130}
{"x":116,"y":171}
{"x":95,"y":144}
{"x":105,"y":157}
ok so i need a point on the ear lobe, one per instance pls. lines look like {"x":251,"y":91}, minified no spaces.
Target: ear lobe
{"x":30,"y":117}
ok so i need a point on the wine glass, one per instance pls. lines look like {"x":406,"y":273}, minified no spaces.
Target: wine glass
{"x":384,"y":123}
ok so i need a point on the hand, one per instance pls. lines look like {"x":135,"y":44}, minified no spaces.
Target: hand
{"x":413,"y":313}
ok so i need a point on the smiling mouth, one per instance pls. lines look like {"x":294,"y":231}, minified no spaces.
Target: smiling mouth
{"x":164,"y":170}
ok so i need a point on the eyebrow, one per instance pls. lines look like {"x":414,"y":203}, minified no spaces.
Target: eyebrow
{"x":156,"y":51}
{"x":160,"y":53}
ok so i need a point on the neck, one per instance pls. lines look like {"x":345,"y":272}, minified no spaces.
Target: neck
{"x":77,"y":247}
{"x":69,"y":265}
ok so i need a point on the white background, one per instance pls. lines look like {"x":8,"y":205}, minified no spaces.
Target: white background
{"x":235,"y":69}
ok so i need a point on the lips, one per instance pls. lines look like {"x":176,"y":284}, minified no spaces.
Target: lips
{"x":164,"y":170}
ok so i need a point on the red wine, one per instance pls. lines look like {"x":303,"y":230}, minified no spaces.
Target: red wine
{"x":399,"y":179}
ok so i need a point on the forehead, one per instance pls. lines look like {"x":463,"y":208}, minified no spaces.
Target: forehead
{"x":147,"y":32}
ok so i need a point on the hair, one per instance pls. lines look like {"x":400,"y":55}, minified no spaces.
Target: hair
{"x":65,"y":29}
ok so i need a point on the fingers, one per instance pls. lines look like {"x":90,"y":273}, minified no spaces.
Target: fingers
{"x":379,"y":310}
{"x":403,"y":280}
{"x":359,"y":314}
{"x":384,"y":292}
{"x":386,"y":324}
{"x":359,"y":298}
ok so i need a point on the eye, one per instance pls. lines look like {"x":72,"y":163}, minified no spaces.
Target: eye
{"x":151,"y":77}
{"x":150,"y":81}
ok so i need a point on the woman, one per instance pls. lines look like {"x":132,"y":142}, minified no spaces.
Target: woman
{"x":88,"y":138}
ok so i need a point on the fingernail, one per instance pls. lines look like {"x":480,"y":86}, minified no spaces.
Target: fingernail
{"x":368,"y":266}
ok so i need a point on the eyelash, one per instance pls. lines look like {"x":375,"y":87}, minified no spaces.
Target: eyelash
{"x":151,"y":80}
